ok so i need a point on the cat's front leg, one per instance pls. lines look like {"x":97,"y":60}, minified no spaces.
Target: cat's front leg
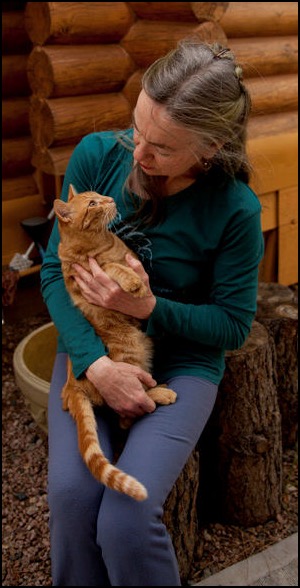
{"x":127,"y":279}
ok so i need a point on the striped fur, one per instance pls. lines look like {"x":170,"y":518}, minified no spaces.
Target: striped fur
{"x":83,"y":230}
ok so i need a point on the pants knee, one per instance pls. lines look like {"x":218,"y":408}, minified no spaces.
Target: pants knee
{"x":128,"y":524}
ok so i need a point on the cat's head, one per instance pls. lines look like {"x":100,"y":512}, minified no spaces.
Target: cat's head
{"x":85,"y":211}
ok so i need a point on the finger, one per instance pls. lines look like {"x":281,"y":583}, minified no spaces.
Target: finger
{"x":149,"y":405}
{"x":81,"y":283}
{"x":135,"y":264}
{"x":85,"y":288}
{"x":98,"y":273}
{"x":83,"y":274}
{"x":146,"y":379}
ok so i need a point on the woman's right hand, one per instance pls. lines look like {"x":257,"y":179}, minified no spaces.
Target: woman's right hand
{"x":121,"y":386}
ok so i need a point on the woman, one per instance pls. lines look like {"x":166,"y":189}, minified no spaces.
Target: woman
{"x":179,"y":178}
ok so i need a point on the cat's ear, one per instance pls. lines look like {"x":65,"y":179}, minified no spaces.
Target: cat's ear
{"x":72,"y":192}
{"x":62,"y":210}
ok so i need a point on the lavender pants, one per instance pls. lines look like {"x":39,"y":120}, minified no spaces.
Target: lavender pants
{"x":100,"y":537}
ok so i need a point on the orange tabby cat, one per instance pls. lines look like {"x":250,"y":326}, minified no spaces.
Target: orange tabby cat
{"x":83,"y":225}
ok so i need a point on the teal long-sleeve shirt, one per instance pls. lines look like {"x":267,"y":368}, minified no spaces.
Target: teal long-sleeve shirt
{"x":202,"y":260}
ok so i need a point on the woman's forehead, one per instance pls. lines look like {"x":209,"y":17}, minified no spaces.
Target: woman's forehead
{"x":155,"y":124}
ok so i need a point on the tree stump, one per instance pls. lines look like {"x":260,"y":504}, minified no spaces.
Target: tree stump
{"x":180,"y":514}
{"x":278,"y":313}
{"x":270,"y":295}
{"x":241,"y":448}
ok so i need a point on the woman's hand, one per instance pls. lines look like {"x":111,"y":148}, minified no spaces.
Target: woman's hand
{"x":121,"y":386}
{"x":98,"y":288}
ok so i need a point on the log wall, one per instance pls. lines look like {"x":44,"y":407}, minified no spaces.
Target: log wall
{"x":70,"y":68}
{"x":20,"y":193}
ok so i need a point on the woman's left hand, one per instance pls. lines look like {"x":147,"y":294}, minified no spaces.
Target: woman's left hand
{"x":98,"y":288}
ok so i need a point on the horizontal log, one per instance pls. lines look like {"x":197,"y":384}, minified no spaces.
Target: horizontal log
{"x":77,"y":22}
{"x":14,"y":237}
{"x":264,"y":56}
{"x":273,"y":94}
{"x":55,"y":70}
{"x":260,"y":19}
{"x":52,"y":161}
{"x":164,"y":10}
{"x":15,"y":117}
{"x":270,"y":98}
{"x":16,"y":157}
{"x":268,"y":108}
{"x":209,"y":10}
{"x":63,"y":121}
{"x":18,"y":187}
{"x":211,"y":32}
{"x":133,"y":87}
{"x":272,"y":124}
{"x":148,"y":40}
{"x":14,"y":35}
{"x":14,"y":76}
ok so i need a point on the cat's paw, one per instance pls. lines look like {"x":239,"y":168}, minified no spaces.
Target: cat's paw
{"x":162,"y":394}
{"x":125,"y":422}
{"x":140,"y":291}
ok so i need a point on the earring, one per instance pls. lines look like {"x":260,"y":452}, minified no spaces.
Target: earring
{"x":206,"y":165}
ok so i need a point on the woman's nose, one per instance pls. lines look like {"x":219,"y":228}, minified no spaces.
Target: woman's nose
{"x":140,"y":152}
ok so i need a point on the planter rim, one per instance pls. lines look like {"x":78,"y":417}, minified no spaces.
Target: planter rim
{"x":19,"y":363}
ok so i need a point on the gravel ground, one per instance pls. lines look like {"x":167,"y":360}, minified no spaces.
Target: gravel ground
{"x":25,"y":534}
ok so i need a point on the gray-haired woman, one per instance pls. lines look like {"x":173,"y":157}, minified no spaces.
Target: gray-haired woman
{"x":180,"y":181}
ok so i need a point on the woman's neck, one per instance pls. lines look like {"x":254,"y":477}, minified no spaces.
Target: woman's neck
{"x":175,"y":185}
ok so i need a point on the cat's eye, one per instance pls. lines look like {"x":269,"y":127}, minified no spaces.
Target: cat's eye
{"x":93,"y":203}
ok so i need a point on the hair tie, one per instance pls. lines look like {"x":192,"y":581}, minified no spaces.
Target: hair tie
{"x":222,"y":52}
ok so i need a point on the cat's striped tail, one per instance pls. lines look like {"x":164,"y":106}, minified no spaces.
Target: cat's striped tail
{"x":82,"y":410}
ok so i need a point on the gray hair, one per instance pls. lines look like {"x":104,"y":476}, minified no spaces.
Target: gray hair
{"x":201,"y":88}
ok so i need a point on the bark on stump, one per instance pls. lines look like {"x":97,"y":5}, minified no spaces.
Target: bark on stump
{"x":278,"y":313}
{"x":180,"y":514}
{"x":241,"y":448}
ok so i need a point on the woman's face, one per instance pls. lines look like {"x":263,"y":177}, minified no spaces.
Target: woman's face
{"x":162,"y":148}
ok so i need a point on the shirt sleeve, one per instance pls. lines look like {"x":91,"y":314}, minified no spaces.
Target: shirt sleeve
{"x":77,"y":334}
{"x":226,"y":320}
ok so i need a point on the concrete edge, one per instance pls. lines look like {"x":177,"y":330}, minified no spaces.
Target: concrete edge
{"x":257,"y":566}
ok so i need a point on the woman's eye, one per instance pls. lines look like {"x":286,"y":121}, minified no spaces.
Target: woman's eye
{"x":92,"y":203}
